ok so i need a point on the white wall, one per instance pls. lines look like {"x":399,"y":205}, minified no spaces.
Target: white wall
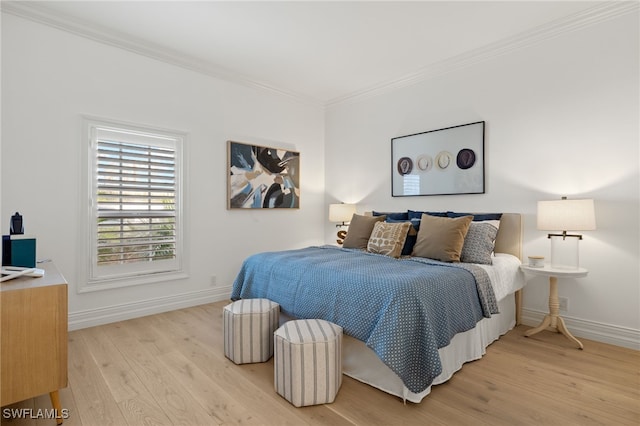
{"x":50,"y":78}
{"x":562,"y":119}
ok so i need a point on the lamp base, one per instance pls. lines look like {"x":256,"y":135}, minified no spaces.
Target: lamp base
{"x":564,"y":251}
{"x":342,"y":234}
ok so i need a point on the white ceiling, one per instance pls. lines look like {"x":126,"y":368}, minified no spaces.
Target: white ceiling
{"x":319,"y":51}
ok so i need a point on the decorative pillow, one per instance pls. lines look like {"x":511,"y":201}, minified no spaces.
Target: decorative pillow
{"x":411,"y":236}
{"x":413,"y":214}
{"x":392,"y":215}
{"x":441,"y":238}
{"x":388,"y":238}
{"x":479,"y":243}
{"x":359,"y":231}
{"x":477,"y":216}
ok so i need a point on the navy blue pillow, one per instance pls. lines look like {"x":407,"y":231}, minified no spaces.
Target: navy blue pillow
{"x":477,"y":217}
{"x":397,"y":216}
{"x":414,"y":214}
{"x":407,"y":249}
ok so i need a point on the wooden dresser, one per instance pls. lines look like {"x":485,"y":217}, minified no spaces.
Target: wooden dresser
{"x":33,"y":351}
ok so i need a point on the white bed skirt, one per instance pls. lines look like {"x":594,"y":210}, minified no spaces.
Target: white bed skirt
{"x":361,"y":363}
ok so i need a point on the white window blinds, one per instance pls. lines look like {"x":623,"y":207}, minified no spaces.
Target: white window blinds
{"x":136,"y":199}
{"x":136,"y":208}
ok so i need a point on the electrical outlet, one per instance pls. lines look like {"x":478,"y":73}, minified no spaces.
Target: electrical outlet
{"x":564,"y":303}
{"x":214,"y":280}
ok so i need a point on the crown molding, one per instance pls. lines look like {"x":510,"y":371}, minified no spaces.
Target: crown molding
{"x":37,"y":12}
{"x":599,"y":13}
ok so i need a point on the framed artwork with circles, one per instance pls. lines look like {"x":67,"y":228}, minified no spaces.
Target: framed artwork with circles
{"x":444,"y":161}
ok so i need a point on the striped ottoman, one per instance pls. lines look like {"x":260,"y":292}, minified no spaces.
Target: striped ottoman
{"x":308,"y":361}
{"x":248,"y":330}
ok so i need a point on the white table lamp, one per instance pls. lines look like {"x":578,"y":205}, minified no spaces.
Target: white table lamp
{"x":563,"y":216}
{"x":341,"y":213}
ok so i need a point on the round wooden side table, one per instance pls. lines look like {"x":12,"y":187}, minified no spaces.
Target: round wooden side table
{"x":553,"y":320}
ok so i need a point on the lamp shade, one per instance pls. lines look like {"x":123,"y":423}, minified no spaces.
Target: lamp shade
{"x":566,"y":215}
{"x":341,"y":212}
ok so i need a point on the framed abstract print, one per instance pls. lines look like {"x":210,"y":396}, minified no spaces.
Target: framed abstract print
{"x":260,"y":177}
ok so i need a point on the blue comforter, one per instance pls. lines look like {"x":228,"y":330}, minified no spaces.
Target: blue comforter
{"x":403,"y":309}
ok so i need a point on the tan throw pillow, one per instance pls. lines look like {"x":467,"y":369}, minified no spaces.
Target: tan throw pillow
{"x":360,"y":230}
{"x":441,"y":238}
{"x":388,"y":238}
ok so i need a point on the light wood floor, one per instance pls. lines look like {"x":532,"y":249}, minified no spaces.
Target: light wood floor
{"x":170,"y":369}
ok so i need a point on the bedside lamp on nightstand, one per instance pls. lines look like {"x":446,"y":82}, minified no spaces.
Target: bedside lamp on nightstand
{"x":341,"y":213}
{"x":562,"y":216}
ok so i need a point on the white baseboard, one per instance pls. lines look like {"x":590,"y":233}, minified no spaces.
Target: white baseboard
{"x":606,"y":333}
{"x":125,"y":311}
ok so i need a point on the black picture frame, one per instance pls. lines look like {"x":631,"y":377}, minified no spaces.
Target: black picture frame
{"x":447,"y":161}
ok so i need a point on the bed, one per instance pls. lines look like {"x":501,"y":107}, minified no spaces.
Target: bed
{"x":410,"y":322}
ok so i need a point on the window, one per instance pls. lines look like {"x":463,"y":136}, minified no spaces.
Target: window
{"x":411,"y":185}
{"x":135,"y":205}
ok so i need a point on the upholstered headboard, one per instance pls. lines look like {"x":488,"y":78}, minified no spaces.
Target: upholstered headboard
{"x":509,"y":238}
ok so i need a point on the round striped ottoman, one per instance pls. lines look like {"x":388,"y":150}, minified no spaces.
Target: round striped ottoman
{"x":248,"y":330}
{"x":308,"y":361}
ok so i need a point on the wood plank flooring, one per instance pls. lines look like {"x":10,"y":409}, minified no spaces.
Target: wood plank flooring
{"x":170,"y":369}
